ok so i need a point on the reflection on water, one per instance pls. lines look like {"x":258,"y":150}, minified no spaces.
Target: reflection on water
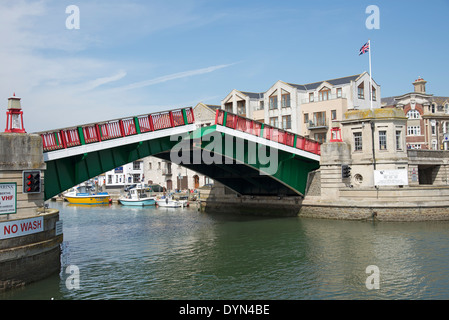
{"x":167,"y":253}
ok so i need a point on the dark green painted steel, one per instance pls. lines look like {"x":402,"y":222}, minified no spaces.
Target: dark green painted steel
{"x":292,"y":169}
{"x":63,"y":174}
{"x":242,"y":176}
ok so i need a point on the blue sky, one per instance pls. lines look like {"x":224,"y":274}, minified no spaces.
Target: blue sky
{"x":137,"y":57}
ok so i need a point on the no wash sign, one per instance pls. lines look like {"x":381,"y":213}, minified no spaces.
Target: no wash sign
{"x":18,"y":228}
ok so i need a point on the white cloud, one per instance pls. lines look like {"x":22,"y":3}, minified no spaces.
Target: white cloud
{"x":101,"y":81}
{"x":174,"y":76}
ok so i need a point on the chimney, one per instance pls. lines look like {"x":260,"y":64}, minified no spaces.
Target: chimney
{"x":420,"y":85}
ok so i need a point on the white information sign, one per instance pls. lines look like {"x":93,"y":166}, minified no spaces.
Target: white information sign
{"x":8,"y":198}
{"x":58,"y":227}
{"x":390,"y":178}
{"x":18,"y":228}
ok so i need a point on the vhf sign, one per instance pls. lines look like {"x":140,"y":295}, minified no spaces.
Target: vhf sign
{"x":32,"y":181}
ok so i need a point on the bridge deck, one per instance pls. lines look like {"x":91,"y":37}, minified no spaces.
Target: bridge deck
{"x":76,"y":154}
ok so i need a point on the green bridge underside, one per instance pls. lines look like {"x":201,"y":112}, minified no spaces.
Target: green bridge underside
{"x":243,"y":175}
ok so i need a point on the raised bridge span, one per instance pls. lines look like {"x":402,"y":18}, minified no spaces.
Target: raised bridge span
{"x":249,"y":157}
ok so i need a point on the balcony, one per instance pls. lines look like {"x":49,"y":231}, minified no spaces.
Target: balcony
{"x":318,"y":124}
{"x":317,"y":99}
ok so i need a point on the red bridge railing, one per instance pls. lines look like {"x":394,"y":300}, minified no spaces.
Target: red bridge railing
{"x":262,"y":130}
{"x":112,"y":129}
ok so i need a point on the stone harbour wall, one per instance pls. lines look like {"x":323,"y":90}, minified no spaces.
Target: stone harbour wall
{"x":374,"y":213}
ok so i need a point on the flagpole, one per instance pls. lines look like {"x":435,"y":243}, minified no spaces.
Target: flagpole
{"x":370,"y":76}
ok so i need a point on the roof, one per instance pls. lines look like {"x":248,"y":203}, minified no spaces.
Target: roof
{"x":388,"y":101}
{"x":391,"y":101}
{"x":334,"y":82}
{"x":439,"y":100}
{"x":213,"y":106}
{"x":253,"y":95}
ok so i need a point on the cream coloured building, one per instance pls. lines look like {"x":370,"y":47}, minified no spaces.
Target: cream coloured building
{"x":306,"y":109}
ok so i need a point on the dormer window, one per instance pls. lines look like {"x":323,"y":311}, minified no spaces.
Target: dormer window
{"x":324,"y":94}
{"x":361,"y":91}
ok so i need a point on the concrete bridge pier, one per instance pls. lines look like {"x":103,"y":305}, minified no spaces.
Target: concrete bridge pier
{"x":30,"y":235}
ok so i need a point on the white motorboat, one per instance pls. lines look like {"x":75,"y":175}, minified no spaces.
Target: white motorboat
{"x":136,"y":196}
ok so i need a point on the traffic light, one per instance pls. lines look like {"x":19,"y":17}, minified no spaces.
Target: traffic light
{"x":345,"y":171}
{"x":32,"y":181}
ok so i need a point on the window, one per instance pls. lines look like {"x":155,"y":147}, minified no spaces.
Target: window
{"x":434,"y":145}
{"x":382,"y":140}
{"x":339,"y":95}
{"x":228,"y":107}
{"x":413,"y":130}
{"x":274,"y":122}
{"x":261,"y":105}
{"x":434,"y":127}
{"x":357,"y":141}
{"x":241,"y":109}
{"x":286,"y":122}
{"x":333,"y":114}
{"x":432,"y":108}
{"x":285,"y":100}
{"x":414,"y":146}
{"x":306,"y":118}
{"x":374,"y":93}
{"x":109,"y":179}
{"x":136,"y":165}
{"x":320,"y":137}
{"x":413,"y":114}
{"x":398,"y":140}
{"x":446,"y":127}
{"x":361,"y":91}
{"x":324,"y":94}
{"x":446,"y":108}
{"x":319,"y":119}
{"x":311,"y":97}
{"x":273,"y":102}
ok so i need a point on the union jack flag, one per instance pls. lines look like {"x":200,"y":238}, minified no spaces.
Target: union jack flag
{"x":364,"y":49}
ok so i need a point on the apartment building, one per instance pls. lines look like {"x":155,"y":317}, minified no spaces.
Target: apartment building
{"x":428,"y":117}
{"x":306,"y":109}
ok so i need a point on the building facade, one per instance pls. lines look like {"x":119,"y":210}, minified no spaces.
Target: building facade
{"x":428,"y":117}
{"x":125,"y":175}
{"x":308,"y":110}
{"x":172,"y":176}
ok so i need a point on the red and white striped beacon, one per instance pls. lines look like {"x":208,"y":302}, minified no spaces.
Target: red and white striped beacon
{"x":14,"y":116}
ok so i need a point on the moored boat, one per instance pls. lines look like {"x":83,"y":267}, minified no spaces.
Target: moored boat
{"x":82,"y":195}
{"x":136,"y":196}
{"x":168,"y":203}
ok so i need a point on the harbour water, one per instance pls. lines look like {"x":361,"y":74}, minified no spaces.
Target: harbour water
{"x":163,"y":253}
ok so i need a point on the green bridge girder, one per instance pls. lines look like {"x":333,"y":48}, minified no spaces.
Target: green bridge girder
{"x":243,"y":175}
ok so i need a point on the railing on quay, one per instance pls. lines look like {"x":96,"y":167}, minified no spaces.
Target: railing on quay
{"x":262,"y":130}
{"x":117,"y":128}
